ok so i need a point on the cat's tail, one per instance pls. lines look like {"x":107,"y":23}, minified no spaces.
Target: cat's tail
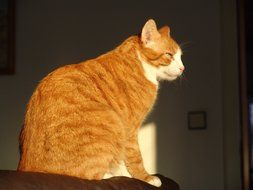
{"x":21,"y":149}
{"x":20,"y":140}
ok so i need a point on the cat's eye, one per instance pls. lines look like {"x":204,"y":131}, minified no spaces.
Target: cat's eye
{"x":168,"y":54}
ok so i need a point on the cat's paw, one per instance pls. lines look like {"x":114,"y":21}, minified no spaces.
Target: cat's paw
{"x":155,"y":181}
{"x":107,"y":175}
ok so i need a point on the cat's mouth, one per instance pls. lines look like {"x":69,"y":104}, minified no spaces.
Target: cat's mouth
{"x":173,"y":75}
{"x":170,"y":76}
{"x":167,"y":76}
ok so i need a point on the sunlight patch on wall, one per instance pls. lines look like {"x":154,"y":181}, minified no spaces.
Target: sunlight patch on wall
{"x":147,"y":142}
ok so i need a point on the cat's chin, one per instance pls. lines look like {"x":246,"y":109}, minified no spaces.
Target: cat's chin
{"x":167,"y":77}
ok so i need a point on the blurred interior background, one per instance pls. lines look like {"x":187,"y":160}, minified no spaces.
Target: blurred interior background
{"x":216,"y":38}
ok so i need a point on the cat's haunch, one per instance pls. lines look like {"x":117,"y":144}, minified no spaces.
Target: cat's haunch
{"x":83,"y":119}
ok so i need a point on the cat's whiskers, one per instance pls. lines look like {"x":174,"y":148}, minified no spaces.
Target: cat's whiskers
{"x":185,"y":45}
{"x":184,"y":80}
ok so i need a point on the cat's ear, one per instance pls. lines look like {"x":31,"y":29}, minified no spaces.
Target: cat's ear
{"x":149,"y":33}
{"x":165,"y":31}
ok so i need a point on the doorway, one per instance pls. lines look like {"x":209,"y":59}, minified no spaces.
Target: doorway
{"x":245,"y":31}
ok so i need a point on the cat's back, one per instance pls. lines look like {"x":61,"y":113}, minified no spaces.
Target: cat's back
{"x":66,"y":76}
{"x":77,"y":84}
{"x":67,"y":80}
{"x":84,"y":73}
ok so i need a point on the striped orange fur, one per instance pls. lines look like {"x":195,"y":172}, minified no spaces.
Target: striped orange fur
{"x":83,"y":119}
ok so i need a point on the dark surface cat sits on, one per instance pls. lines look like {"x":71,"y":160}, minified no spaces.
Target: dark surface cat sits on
{"x":13,"y":180}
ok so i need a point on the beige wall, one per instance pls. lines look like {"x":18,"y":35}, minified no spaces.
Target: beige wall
{"x":54,"y":33}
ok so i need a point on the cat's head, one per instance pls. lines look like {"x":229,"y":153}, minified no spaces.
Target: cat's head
{"x":160,"y":52}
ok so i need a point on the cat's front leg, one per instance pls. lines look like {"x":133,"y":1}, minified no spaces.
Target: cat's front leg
{"x":134,"y":163}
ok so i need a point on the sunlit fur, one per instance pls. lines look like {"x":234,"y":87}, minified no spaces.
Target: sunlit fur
{"x":83,"y":119}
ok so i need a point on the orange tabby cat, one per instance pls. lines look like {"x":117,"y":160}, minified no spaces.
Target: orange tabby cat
{"x":83,"y":119}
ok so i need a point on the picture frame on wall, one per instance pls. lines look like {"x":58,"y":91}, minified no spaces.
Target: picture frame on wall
{"x":197,"y":120}
{"x":7,"y":37}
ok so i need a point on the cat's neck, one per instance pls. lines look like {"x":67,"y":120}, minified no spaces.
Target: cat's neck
{"x":132,"y":47}
{"x":149,"y":70}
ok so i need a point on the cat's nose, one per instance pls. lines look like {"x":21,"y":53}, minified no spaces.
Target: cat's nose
{"x":181,"y":68}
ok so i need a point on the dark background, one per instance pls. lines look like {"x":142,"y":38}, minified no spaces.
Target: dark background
{"x":50,"y":34}
{"x":249,"y":67}
{"x":249,"y":44}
